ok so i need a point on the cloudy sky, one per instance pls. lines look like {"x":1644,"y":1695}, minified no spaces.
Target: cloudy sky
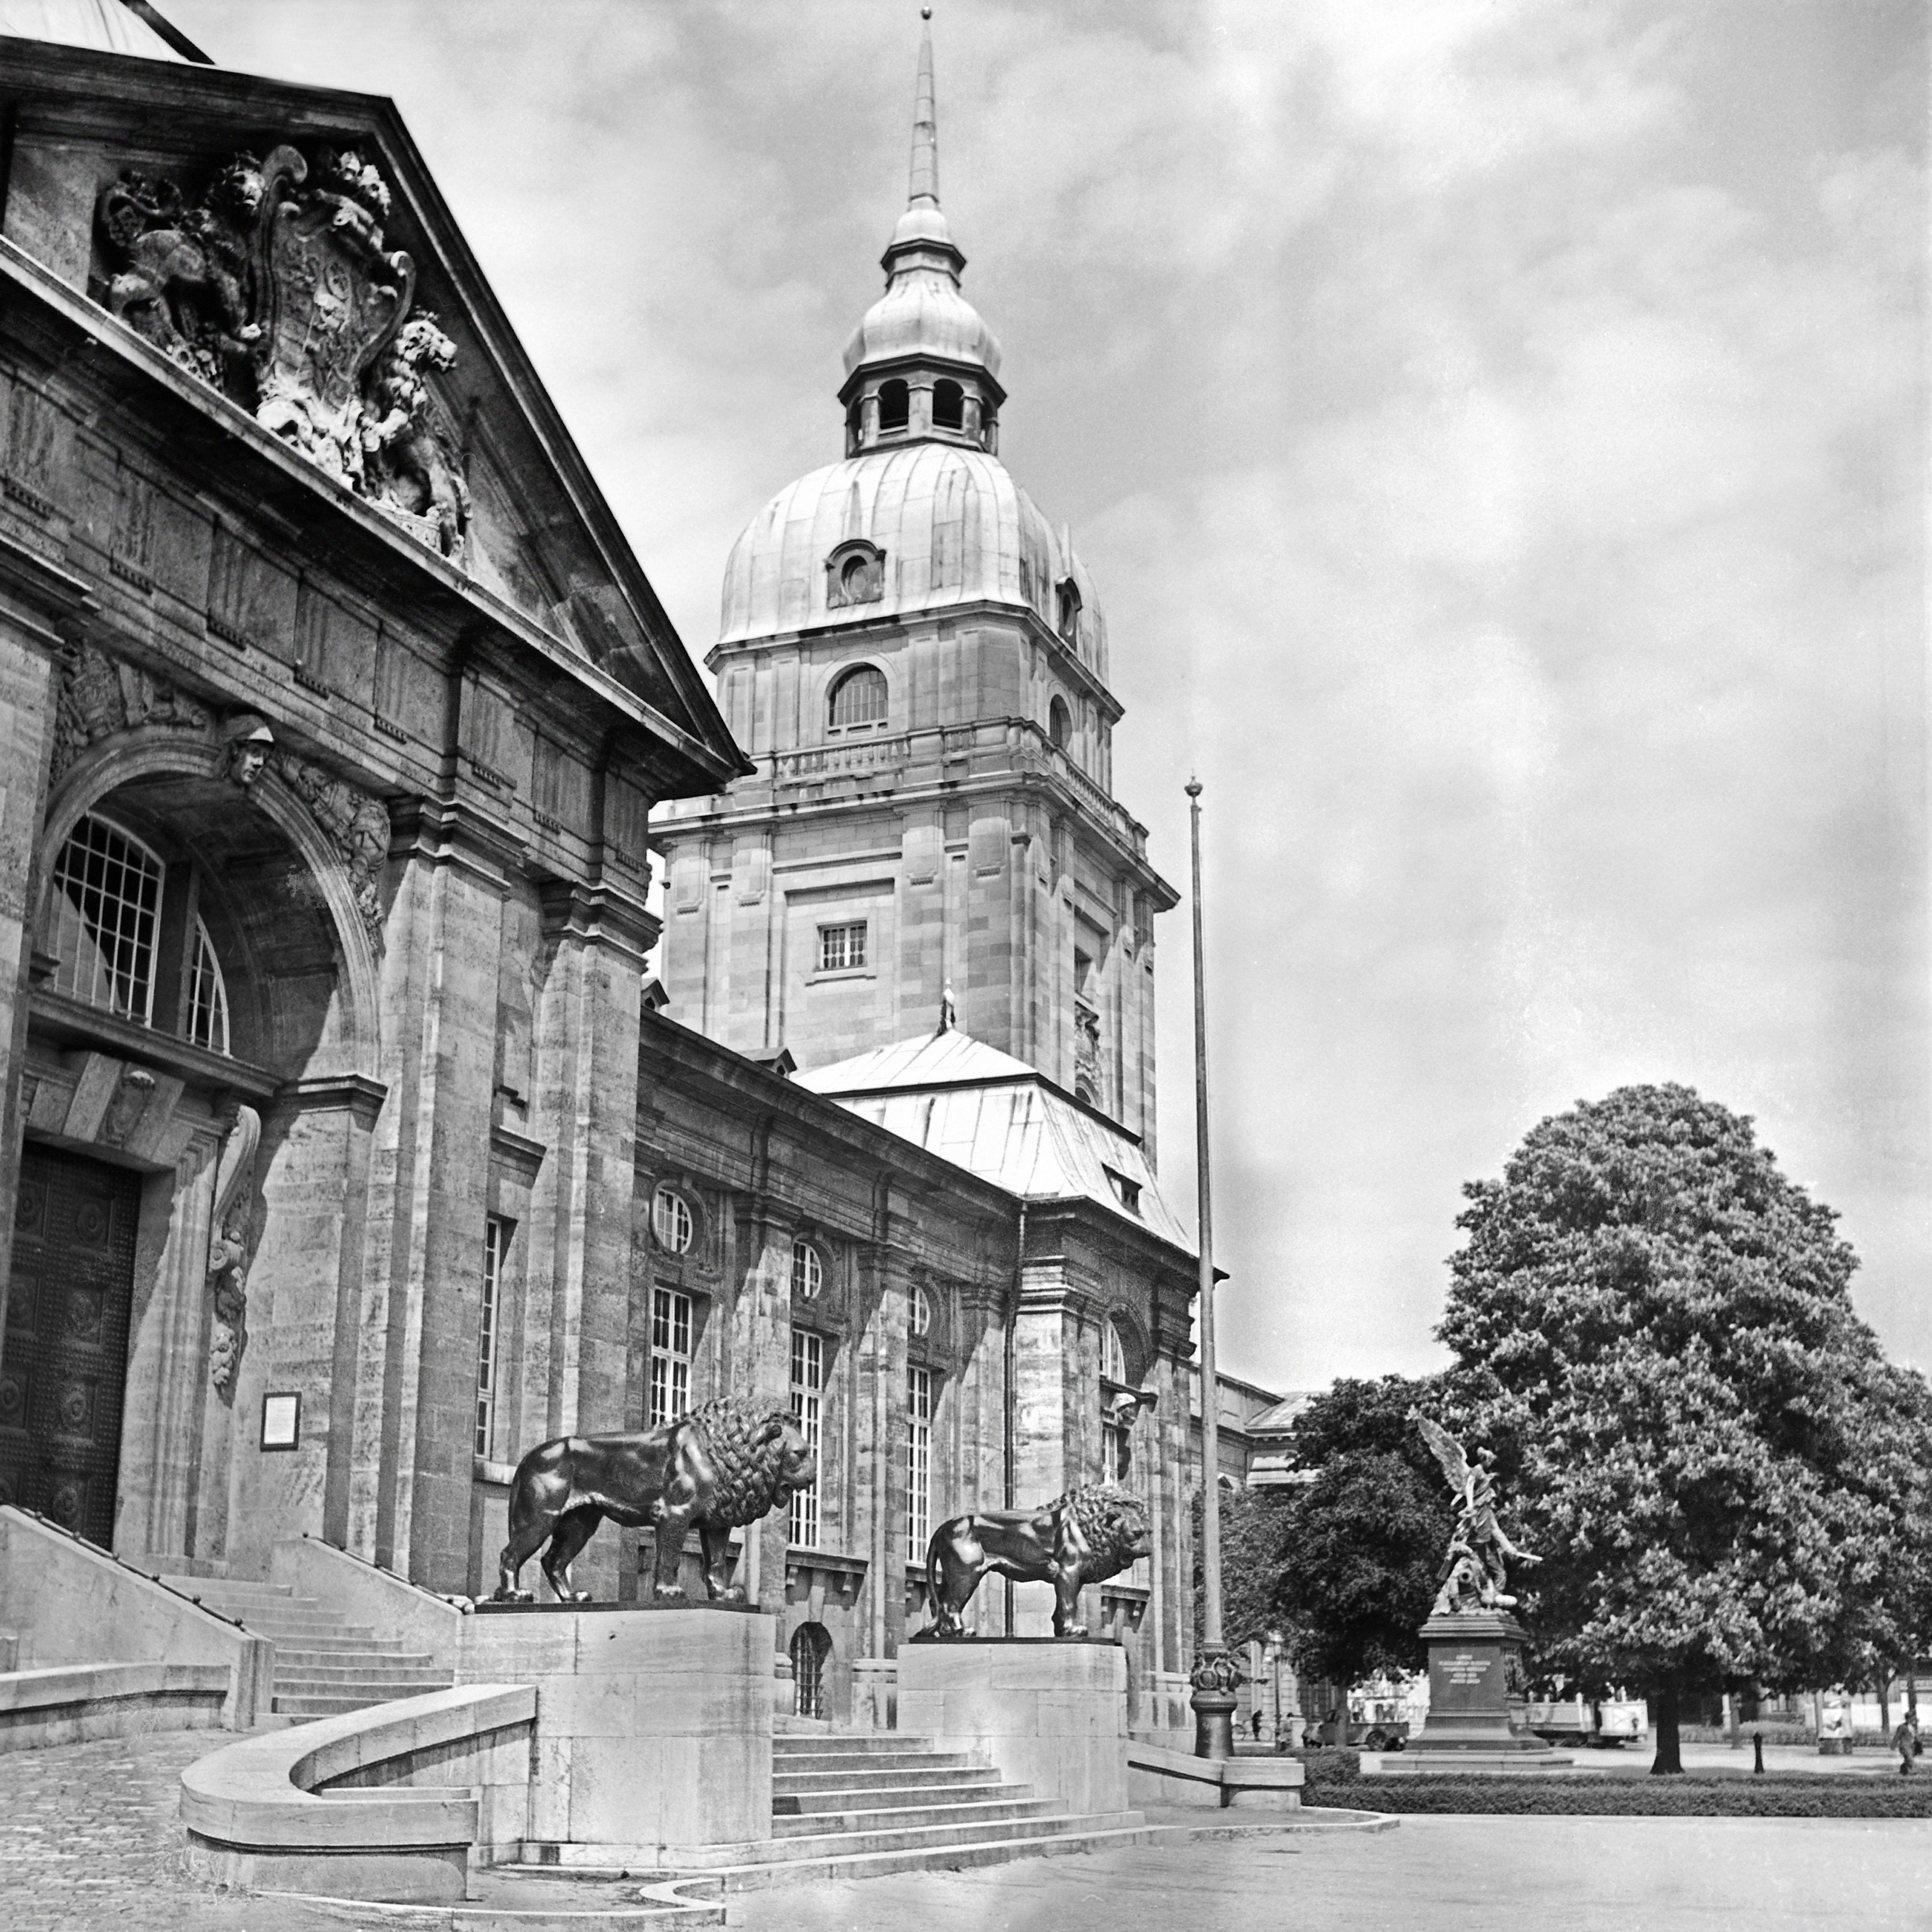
{"x":1497,"y":427}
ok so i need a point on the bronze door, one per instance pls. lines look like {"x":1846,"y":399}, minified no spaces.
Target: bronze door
{"x":64,"y":1368}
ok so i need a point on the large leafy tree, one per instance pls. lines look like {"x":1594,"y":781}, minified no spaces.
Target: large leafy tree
{"x":1725,"y":1476}
{"x":1364,"y":1533}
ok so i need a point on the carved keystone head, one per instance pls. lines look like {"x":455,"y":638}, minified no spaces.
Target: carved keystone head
{"x":249,"y":741}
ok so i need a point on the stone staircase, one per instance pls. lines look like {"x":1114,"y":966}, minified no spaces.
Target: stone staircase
{"x":324,"y":1664}
{"x":854,"y":1806}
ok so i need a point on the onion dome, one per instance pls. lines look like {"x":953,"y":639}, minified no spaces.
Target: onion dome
{"x":922,"y":514}
{"x":922,"y":365}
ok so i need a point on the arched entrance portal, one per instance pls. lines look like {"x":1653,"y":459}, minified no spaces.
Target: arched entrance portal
{"x":198,"y":999}
{"x":811,"y":1650}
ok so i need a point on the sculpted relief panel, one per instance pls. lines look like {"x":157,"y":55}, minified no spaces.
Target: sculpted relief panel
{"x":274,"y":288}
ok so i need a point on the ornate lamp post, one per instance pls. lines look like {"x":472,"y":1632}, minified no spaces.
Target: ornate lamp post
{"x":1215,"y":1674}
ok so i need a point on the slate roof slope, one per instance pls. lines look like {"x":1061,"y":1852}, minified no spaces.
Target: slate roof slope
{"x":1002,"y":1120}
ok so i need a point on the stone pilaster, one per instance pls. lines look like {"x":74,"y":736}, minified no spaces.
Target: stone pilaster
{"x":416,"y":1381}
{"x":34,"y":599}
{"x":577,"y":1246}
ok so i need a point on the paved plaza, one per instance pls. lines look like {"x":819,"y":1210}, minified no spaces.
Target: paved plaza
{"x":88,"y":1838}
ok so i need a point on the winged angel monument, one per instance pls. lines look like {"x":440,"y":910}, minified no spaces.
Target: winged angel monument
{"x":1473,"y":1577}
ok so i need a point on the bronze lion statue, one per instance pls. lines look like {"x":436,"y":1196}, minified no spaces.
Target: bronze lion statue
{"x":727,"y":1463}
{"x":1085,"y":1537}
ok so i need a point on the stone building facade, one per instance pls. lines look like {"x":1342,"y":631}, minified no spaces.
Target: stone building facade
{"x":916,"y":662}
{"x":335,"y":706}
{"x":348,"y":1153}
{"x":925,"y":897}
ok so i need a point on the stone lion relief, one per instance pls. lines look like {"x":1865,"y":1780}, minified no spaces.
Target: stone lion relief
{"x":274,"y":286}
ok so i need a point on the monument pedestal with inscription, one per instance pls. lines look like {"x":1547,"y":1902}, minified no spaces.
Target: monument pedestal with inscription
{"x":1478,"y":1700}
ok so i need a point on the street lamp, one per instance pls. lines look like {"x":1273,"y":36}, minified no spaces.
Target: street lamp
{"x":1216,"y":1675}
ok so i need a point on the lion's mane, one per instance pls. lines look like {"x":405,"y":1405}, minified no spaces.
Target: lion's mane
{"x":748,"y":1471}
{"x":1112,"y":1523}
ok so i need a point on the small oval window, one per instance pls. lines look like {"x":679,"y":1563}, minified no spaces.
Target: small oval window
{"x":671,"y":1219}
{"x":808,"y":1271}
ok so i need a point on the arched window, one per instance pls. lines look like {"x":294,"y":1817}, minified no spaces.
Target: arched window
{"x":859,"y":700}
{"x":922,"y":1310}
{"x":107,"y":906}
{"x":808,"y":1271}
{"x":1059,"y":722}
{"x":895,"y":405}
{"x":811,"y":1646}
{"x":207,"y":995}
{"x":949,"y":405}
{"x":671,"y":1219}
{"x":1114,"y":1352}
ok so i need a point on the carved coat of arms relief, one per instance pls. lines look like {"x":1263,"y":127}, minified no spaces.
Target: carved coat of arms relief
{"x":275,"y":288}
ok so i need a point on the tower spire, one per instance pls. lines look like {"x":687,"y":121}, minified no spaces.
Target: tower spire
{"x":923,"y":188}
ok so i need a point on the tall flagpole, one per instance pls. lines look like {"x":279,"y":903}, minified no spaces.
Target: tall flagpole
{"x":1215,"y":1674}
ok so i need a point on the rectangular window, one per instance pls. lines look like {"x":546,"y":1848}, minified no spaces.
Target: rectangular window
{"x":670,"y":1355}
{"x":496,"y":1233}
{"x":918,"y":1461}
{"x":808,"y":1404}
{"x":842,"y":948}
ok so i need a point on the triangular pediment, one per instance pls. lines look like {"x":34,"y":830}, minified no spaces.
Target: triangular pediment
{"x":233,"y":222}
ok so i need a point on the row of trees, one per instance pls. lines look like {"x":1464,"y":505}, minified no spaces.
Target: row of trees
{"x":1652,"y":1327}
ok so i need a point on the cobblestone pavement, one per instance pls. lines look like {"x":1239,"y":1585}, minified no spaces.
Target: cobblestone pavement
{"x":90,"y":1835}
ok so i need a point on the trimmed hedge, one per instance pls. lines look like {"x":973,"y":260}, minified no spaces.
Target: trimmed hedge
{"x":1554,"y":1794}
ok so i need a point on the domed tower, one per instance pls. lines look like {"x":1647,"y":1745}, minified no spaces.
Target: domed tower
{"x":916,"y":662}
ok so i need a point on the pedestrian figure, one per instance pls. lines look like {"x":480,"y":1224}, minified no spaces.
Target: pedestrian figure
{"x":1757,"y":1752}
{"x":1905,"y":1742}
{"x":1255,"y":1718}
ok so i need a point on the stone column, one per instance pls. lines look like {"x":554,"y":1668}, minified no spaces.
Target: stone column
{"x":163,"y":1445}
{"x":415,"y":1378}
{"x":879,"y":1482}
{"x":34,"y":598}
{"x":758,"y":1359}
{"x":305,"y":1289}
{"x":577,"y":1248}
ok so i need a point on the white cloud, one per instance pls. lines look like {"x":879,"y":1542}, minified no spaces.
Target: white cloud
{"x":1496,"y":431}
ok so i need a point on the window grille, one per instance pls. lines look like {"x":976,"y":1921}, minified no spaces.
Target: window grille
{"x":670,"y":1355}
{"x":671,"y":1219}
{"x":808,"y":1271}
{"x":842,"y":948}
{"x":859,"y":699}
{"x":808,"y":1404}
{"x":207,"y":996}
{"x":107,"y":903}
{"x":496,"y":1233}
{"x":918,"y":1461}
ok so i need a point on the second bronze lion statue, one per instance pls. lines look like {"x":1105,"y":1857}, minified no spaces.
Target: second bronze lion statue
{"x":1085,"y":1536}
{"x":727,"y":1463}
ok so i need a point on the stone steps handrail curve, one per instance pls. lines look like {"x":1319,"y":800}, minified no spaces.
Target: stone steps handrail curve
{"x":260,"y":1793}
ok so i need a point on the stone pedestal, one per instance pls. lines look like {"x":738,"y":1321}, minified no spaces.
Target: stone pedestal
{"x":1478,"y":1698}
{"x":1046,"y":1711}
{"x":653,"y":1727}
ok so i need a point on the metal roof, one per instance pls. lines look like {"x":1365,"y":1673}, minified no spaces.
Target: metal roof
{"x":1002,"y":1120}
